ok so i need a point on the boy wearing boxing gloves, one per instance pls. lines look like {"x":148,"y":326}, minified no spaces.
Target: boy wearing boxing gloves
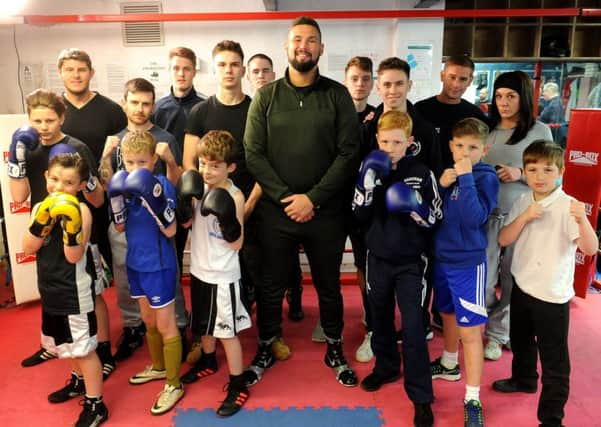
{"x":30,"y":150}
{"x":215,"y":210}
{"x":143,"y":205}
{"x":397,"y":197}
{"x":58,"y":234}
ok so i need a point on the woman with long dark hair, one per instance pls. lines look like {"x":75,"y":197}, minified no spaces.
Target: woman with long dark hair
{"x":515,"y":127}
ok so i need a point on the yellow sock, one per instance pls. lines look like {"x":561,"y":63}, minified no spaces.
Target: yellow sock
{"x":172,"y":351}
{"x":155,"y":348}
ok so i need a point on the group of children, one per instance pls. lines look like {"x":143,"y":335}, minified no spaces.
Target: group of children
{"x":398,"y":198}
{"x":405,"y":209}
{"x":142,"y":205}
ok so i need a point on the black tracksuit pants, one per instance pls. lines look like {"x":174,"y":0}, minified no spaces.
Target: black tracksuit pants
{"x":543,"y":326}
{"x":385,"y":282}
{"x":323,"y":239}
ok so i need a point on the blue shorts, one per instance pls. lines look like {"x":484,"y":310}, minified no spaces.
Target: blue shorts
{"x":461,"y":291}
{"x":157,"y":286}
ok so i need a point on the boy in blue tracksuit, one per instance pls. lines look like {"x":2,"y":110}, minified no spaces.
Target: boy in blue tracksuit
{"x":469,"y":190}
{"x":397,"y":197}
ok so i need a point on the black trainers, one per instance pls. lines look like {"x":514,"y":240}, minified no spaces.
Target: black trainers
{"x":206,"y":365}
{"x":263,"y":359}
{"x":131,"y":339}
{"x":237,"y":395}
{"x":423,"y":415}
{"x":438,"y":370}
{"x":93,"y":414}
{"x":509,"y":385}
{"x":295,"y":308}
{"x":373,"y":381}
{"x":40,"y":356}
{"x":75,"y":387}
{"x":334,"y":358}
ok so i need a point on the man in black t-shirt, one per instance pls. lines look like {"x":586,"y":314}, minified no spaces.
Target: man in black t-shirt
{"x":226,"y":110}
{"x":89,"y":117}
{"x":443,"y":111}
{"x":447,"y":108}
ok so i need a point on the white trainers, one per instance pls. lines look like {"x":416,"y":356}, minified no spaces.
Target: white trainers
{"x":493,"y":350}
{"x":147,"y":375}
{"x":167,"y":399}
{"x":318,"y":335}
{"x":364,"y":353}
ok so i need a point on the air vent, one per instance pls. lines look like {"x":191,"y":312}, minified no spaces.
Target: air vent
{"x":142,"y":33}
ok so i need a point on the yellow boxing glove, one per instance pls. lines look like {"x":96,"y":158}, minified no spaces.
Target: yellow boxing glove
{"x":66,"y":208}
{"x":41,"y":224}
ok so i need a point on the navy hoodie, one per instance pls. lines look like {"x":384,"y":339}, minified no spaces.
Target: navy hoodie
{"x":461,"y":237}
{"x":397,"y":238}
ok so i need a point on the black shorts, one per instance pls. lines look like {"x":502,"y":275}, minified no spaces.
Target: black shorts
{"x":217,"y":309}
{"x":69,"y":336}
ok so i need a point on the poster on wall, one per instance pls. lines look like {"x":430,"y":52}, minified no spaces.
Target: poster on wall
{"x":419,"y":57}
{"x":157,"y":73}
{"x":16,"y":216}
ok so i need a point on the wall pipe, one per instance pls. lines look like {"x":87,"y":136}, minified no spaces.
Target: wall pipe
{"x":263,"y":16}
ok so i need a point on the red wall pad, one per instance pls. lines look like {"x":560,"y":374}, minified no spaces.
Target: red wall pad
{"x":582,"y":180}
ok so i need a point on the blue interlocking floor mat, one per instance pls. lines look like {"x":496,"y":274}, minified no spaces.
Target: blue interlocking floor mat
{"x":293,"y":417}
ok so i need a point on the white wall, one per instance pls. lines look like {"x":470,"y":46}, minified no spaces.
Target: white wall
{"x":38,"y":46}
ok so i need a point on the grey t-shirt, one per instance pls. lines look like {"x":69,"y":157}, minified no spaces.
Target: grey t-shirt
{"x":511,"y":155}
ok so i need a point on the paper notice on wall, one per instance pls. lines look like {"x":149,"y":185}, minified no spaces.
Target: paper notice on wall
{"x":157,"y":73}
{"x":116,"y":76}
{"x":419,"y":58}
{"x":31,"y":77}
{"x":53,"y":79}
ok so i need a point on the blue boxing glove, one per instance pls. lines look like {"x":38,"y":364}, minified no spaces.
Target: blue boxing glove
{"x":141,"y":184}
{"x":24,"y":138}
{"x":400,"y":198}
{"x":116,"y":193}
{"x":62,"y":148}
{"x":375,"y":168}
{"x":219,"y":203}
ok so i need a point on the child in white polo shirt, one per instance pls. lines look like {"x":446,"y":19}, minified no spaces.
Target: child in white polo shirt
{"x":547,"y":226}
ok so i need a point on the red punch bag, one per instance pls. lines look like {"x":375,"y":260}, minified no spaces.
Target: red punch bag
{"x":582,"y":180}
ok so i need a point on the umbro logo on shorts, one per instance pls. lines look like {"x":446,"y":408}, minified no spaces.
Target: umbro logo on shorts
{"x":224,"y":326}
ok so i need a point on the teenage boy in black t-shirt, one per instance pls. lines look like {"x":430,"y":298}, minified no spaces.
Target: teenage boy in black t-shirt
{"x":359,"y":80}
{"x":227,"y":110}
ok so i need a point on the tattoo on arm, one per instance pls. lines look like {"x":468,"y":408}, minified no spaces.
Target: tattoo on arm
{"x":104,"y":174}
